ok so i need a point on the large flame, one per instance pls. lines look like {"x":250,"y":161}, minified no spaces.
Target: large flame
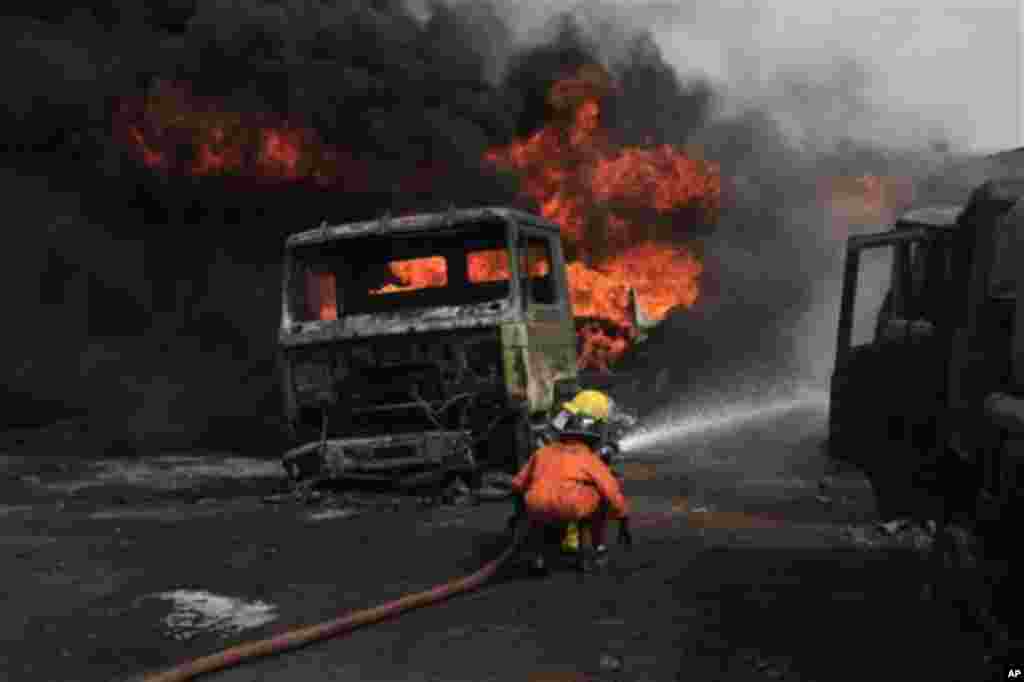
{"x":618,"y":208}
{"x":174,"y":130}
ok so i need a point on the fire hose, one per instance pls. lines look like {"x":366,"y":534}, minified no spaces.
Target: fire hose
{"x":294,"y":639}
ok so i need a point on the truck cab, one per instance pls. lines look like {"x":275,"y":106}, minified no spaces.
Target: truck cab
{"x":417,"y":347}
{"x":928,"y":330}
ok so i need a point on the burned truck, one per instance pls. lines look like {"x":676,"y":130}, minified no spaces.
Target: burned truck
{"x":929,"y":383}
{"x":419,"y":348}
{"x":928,"y":329}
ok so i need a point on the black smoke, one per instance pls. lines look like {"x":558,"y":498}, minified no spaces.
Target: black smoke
{"x":148,"y":299}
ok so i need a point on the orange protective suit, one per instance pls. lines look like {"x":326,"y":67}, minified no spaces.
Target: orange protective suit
{"x":565,"y":482}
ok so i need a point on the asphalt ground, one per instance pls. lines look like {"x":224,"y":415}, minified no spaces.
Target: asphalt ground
{"x":754,"y":559}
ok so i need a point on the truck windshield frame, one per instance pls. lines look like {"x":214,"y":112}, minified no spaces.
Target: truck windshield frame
{"x":465,"y":264}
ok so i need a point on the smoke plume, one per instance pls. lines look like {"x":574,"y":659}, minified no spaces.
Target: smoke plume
{"x":146,"y":286}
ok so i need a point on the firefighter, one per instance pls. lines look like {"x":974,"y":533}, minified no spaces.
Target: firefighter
{"x":607,"y":447}
{"x":566,"y":482}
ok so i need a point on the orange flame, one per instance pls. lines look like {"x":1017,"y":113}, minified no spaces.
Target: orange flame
{"x":488,"y":266}
{"x":175,"y":130}
{"x":618,"y":208}
{"x":599,"y":348}
{"x":865,"y":200}
{"x":416,"y":273}
{"x":323,"y":295}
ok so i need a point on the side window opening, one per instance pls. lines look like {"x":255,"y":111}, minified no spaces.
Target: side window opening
{"x":536,"y":272}
{"x":466,"y":265}
{"x":413,"y":274}
{"x":491,"y":265}
{"x":874,"y":282}
{"x":321,"y":295}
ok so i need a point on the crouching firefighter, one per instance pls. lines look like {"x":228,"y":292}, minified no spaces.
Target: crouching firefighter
{"x":566,"y":483}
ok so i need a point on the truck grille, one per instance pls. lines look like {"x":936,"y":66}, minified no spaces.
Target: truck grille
{"x":384,"y":371}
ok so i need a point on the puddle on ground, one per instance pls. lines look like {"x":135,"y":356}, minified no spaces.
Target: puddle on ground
{"x":197,"y":612}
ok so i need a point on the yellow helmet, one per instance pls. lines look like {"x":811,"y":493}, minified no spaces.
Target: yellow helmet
{"x":590,"y":403}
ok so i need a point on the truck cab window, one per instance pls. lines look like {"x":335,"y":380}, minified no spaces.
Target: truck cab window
{"x":535,"y":270}
{"x":488,"y":266}
{"x":321,"y":296}
{"x":873,"y":283}
{"x":365,"y":275}
{"x":413,"y":274}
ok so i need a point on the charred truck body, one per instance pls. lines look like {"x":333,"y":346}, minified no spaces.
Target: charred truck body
{"x":929,"y":374}
{"x":930,"y":335}
{"x":419,"y":347}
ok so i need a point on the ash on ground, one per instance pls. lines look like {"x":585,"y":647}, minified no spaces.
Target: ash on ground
{"x":198,"y":612}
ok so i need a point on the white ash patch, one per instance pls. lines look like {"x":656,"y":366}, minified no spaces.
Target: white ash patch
{"x":333,"y":514}
{"x":171,"y":472}
{"x":197,"y":612}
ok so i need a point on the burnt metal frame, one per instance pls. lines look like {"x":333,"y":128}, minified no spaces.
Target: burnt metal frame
{"x":526,"y":232}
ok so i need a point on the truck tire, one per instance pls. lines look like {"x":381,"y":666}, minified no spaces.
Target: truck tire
{"x":511,"y":444}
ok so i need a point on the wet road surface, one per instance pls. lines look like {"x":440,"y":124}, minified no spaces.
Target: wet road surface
{"x":746,"y":566}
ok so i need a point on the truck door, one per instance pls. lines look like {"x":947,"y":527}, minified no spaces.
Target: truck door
{"x":550,"y":332}
{"x":988,"y":361}
{"x":889,"y":371}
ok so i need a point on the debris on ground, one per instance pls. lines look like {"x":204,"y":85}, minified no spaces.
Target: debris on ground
{"x":899,"y":534}
{"x":197,"y":612}
{"x":771,"y":667}
{"x":494,"y":486}
{"x":823,"y":499}
{"x":493,"y":494}
{"x":458,"y":493}
{"x":610,"y":663}
{"x":893,"y":527}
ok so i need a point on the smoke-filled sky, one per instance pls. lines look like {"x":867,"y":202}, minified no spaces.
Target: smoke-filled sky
{"x":140,"y":271}
{"x":928,"y":65}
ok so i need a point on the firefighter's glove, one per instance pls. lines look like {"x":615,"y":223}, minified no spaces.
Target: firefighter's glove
{"x":625,"y":534}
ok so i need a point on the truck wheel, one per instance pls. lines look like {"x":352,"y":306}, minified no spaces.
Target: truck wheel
{"x":511,"y":444}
